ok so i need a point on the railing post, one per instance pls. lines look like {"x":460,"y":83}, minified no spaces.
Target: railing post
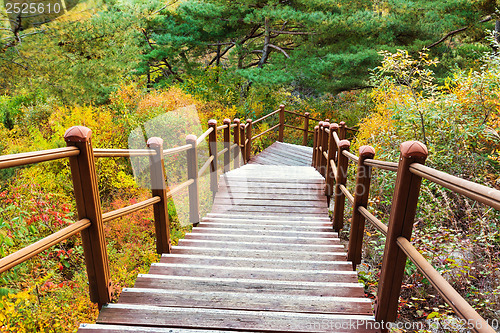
{"x":315,"y":146}
{"x":88,"y":205}
{"x":342,"y":130}
{"x":324,"y":144}
{"x":212,"y":151}
{"x":404,"y":206}
{"x":243,"y":144}
{"x":236,"y":138}
{"x":342,"y":164}
{"x":330,"y":176}
{"x":227,"y":145}
{"x":361,"y":193}
{"x":306,"y":128}
{"x":248,"y":148}
{"x":159,"y":188}
{"x":282,"y":123}
{"x":192,"y":166}
{"x":319,"y":139}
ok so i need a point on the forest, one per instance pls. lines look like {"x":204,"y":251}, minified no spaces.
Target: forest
{"x":396,"y":70}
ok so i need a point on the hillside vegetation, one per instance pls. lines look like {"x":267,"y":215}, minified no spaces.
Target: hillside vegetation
{"x":398,"y":70}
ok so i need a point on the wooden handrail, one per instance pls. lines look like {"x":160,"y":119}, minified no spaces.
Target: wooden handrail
{"x":350,"y":156}
{"x":205,"y":166}
{"x":265,"y":132}
{"x":176,"y":150}
{"x":109,"y":216}
{"x":180,"y":187}
{"x":384,"y":165}
{"x":14,"y":160}
{"x":202,"y":137}
{"x":481,"y":193}
{"x":32,"y":250}
{"x":100,"y":152}
{"x":266,"y":116}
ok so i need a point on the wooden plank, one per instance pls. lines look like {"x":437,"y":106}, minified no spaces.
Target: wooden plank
{"x":291,"y":156}
{"x":296,"y":155}
{"x":254,"y":263}
{"x":284,"y":218}
{"x":271,"y":190}
{"x":261,"y":245}
{"x":278,"y":160}
{"x":264,"y":254}
{"x":274,"y":210}
{"x":246,"y":301}
{"x":263,"y":239}
{"x":96,"y":328}
{"x":208,"y":284}
{"x":253,"y":273}
{"x":265,"y":227}
{"x":272,"y":203}
{"x":269,"y":221}
{"x":272,"y":185}
{"x":268,"y":321}
{"x":269,"y":160}
{"x":221,"y":194}
{"x":272,"y":232}
{"x":268,"y":179}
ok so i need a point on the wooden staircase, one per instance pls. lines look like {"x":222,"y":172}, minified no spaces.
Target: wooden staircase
{"x":264,"y":260}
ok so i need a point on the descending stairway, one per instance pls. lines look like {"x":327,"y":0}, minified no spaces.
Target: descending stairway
{"x":265,"y":259}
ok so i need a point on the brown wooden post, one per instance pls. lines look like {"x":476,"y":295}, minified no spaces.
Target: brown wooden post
{"x":404,"y":206}
{"x":227,"y":144}
{"x":330,"y":176}
{"x":88,"y":205}
{"x":282,"y":123}
{"x":212,"y":151}
{"x":248,"y":148}
{"x":319,"y":139}
{"x":342,"y":130}
{"x":236,"y":138}
{"x":315,"y":146}
{"x":306,"y":128}
{"x":159,"y":189}
{"x":342,"y":164}
{"x":243,"y":145}
{"x":324,"y":144}
{"x":192,"y":166}
{"x":361,"y":193}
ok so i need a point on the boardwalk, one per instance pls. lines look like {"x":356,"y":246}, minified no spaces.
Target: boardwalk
{"x":265,"y":259}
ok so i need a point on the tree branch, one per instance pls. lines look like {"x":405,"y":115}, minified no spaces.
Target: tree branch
{"x":454,"y":32}
{"x":279,"y":49}
{"x":279,"y":32}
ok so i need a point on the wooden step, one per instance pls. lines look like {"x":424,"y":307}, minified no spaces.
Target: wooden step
{"x":264,"y":254}
{"x":277,"y":218}
{"x":208,"y":284}
{"x":273,"y":210}
{"x":262,"y":239}
{"x":270,"y":203}
{"x":268,"y":321}
{"x":255,"y":262}
{"x":224,"y":194}
{"x":272,"y":232}
{"x":254,"y":273}
{"x":246,"y":301}
{"x":265,"y":227}
{"x":104,"y":328}
{"x":262,"y":246}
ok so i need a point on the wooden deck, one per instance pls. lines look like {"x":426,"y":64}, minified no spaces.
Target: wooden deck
{"x":264,"y":260}
{"x":280,"y":153}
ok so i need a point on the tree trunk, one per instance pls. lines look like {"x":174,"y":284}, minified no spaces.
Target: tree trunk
{"x":267,"y":41}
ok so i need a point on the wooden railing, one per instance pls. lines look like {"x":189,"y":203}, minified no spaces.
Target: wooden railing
{"x":81,"y":155}
{"x":331,"y":158}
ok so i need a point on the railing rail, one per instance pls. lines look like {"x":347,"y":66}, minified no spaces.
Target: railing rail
{"x":331,"y":156}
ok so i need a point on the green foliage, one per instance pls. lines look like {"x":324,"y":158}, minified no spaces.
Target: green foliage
{"x":460,"y":117}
